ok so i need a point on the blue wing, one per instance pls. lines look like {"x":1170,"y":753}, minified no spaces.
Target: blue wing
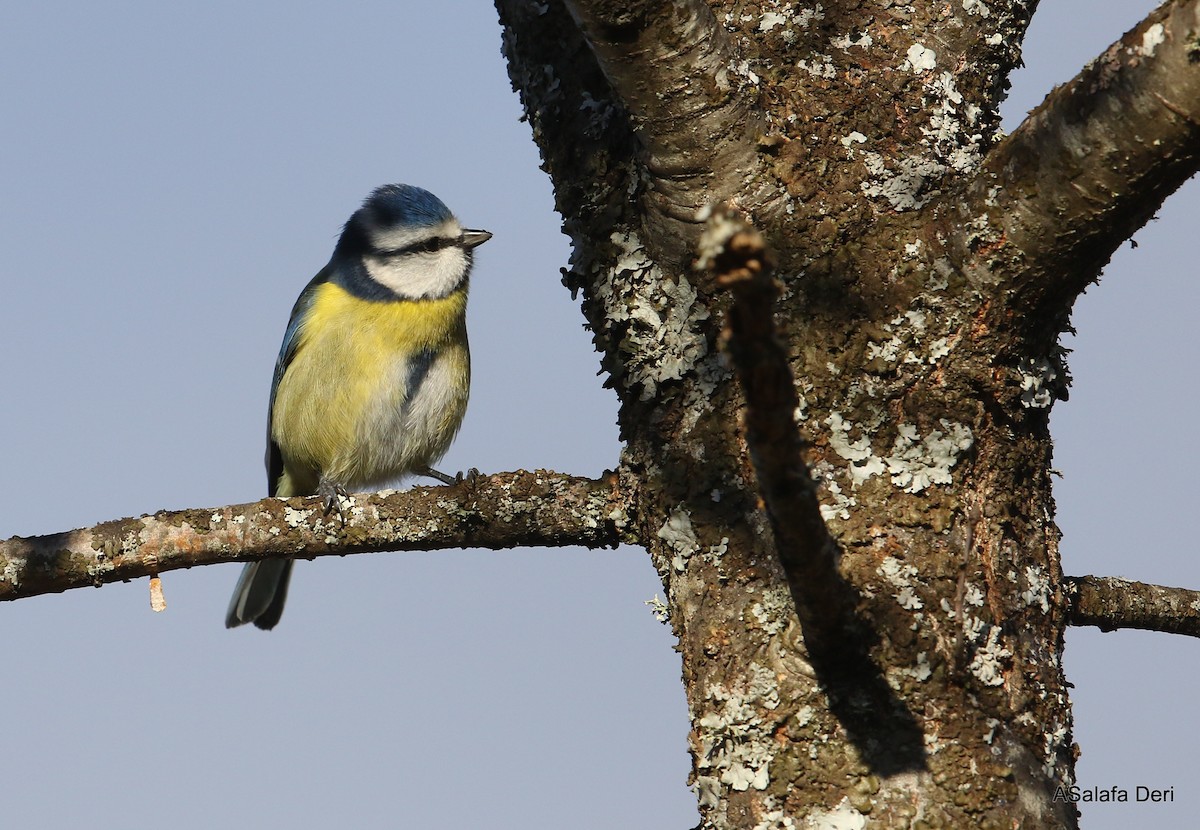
{"x":286,"y":352}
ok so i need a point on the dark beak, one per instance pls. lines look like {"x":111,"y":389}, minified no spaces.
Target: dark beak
{"x":472,"y":238}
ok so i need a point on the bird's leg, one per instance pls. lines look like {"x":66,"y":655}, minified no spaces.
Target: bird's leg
{"x":457,"y":478}
{"x":331,"y":494}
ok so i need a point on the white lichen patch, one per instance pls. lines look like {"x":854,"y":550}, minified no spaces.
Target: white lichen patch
{"x":845,"y":42}
{"x":735,"y":741}
{"x":952,"y":139}
{"x":917,"y":463}
{"x":709,"y":373}
{"x":1038,"y":378}
{"x":834,"y":503}
{"x":990,"y":735}
{"x":922,"y":671}
{"x":772,"y":20}
{"x":785,"y":17}
{"x":1054,"y":740}
{"x":842,"y":817}
{"x":708,"y":791}
{"x":976,"y":7}
{"x":1152,"y":38}
{"x":902,"y":186}
{"x":743,"y":69}
{"x":909,"y":600}
{"x":906,"y":344}
{"x":658,"y":608}
{"x":853,"y":138}
{"x":920,"y":58}
{"x":800,"y":413}
{"x":662,"y":342}
{"x":888,"y":351}
{"x":821,"y":66}
{"x":807,"y":17}
{"x":295,"y":518}
{"x":951,"y":132}
{"x":973,"y":595}
{"x":939,"y":275}
{"x":988,"y":663}
{"x":679,"y":536}
{"x":863,"y":463}
{"x":773,"y":609}
{"x":901,"y":574}
{"x":1038,"y":591}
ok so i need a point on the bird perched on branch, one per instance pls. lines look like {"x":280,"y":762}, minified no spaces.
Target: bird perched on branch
{"x":372,"y":379}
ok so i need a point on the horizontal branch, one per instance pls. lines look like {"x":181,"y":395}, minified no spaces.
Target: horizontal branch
{"x":505,"y":510}
{"x":1087,"y":168}
{"x":736,"y":255}
{"x":1110,"y":603}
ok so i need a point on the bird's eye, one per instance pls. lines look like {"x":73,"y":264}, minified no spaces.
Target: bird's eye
{"x":425,"y":246}
{"x":429,"y":246}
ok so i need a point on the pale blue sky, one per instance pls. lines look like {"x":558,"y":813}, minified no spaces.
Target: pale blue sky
{"x":172,"y":177}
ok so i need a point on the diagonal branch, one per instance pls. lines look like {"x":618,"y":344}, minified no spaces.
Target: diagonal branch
{"x":672,"y":66}
{"x":837,"y":639}
{"x":1087,"y":168}
{"x":504,"y":510}
{"x":1110,"y":603}
{"x":736,"y":254}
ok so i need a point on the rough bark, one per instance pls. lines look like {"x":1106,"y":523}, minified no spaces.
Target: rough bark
{"x":855,"y":528}
{"x":1110,"y":603}
{"x":917,"y":252}
{"x":497,"y":511}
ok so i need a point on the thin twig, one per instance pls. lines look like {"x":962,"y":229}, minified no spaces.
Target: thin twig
{"x":1109,"y":603}
{"x":736,"y":254}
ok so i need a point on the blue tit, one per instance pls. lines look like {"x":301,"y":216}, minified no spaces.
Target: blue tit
{"x":372,"y":380}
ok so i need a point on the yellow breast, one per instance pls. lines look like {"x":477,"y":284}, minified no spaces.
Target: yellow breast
{"x":341,"y":408}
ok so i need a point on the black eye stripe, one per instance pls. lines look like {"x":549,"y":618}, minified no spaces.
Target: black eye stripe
{"x":425,"y":246}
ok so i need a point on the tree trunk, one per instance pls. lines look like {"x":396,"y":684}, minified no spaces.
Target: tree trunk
{"x":927,"y":265}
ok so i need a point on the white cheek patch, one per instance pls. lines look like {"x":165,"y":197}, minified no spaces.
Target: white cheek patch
{"x":420,"y":276}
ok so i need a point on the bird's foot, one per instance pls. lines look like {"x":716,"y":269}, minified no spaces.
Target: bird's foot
{"x":457,"y":478}
{"x":331,"y":496}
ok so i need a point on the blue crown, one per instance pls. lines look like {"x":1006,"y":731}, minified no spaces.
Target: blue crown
{"x":390,"y":206}
{"x":399,"y":205}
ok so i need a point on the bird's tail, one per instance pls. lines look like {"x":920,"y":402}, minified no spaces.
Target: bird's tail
{"x":260,"y":593}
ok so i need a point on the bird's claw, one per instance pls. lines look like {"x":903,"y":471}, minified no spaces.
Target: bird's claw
{"x":331,"y":496}
{"x":471,"y":474}
{"x":457,"y":478}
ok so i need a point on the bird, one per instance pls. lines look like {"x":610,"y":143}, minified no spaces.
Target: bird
{"x":372,"y":379}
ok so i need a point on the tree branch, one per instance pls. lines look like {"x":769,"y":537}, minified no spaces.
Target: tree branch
{"x":1087,"y":168}
{"x":673,"y":67}
{"x":737,"y":256}
{"x":1109,"y":603}
{"x":504,"y":510}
